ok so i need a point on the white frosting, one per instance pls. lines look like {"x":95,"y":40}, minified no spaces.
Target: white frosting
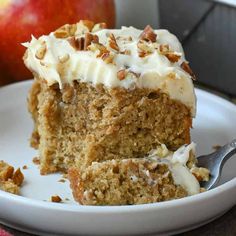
{"x":180,"y":172}
{"x":154,"y":69}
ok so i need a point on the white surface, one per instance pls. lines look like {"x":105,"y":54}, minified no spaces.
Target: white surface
{"x":215,"y":124}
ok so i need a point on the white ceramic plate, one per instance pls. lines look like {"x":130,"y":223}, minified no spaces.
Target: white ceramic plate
{"x":215,"y":124}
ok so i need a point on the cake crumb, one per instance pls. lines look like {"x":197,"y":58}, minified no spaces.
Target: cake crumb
{"x":36,"y":161}
{"x":62,"y":180}
{"x":10,"y":181}
{"x":56,"y":198}
{"x":18,"y":177}
{"x":25,"y":167}
{"x":216,"y":147}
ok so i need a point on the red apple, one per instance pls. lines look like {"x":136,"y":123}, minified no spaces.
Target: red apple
{"x":20,"y":19}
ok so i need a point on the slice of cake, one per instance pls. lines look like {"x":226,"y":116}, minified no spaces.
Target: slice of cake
{"x":102,"y":94}
{"x":161,"y":176}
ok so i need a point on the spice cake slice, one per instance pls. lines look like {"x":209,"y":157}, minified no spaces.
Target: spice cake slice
{"x":102,"y":94}
{"x":161,"y":176}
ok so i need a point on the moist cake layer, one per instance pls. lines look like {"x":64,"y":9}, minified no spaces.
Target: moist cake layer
{"x":126,"y":57}
{"x":83,"y":123}
{"x":159,"y":177}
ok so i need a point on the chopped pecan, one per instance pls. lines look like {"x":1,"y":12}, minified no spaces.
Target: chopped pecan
{"x":172,"y":57}
{"x":56,"y":198}
{"x":88,"y":23}
{"x":90,"y":38}
{"x":112,"y":42}
{"x":99,"y":26}
{"x":121,"y":74}
{"x":65,"y":31}
{"x":40,"y":53}
{"x":18,"y":177}
{"x":164,"y":48}
{"x":144,"y":48}
{"x":78,"y":43}
{"x":148,"y":34}
{"x":107,"y":57}
{"x":98,"y":47}
{"x":185,"y":66}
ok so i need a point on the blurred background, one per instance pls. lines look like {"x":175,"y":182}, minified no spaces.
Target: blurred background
{"x":206,"y":28}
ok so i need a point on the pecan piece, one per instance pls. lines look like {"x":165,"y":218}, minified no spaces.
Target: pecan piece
{"x":56,"y":198}
{"x":121,"y":74}
{"x":148,"y":34}
{"x":88,"y":23}
{"x":18,"y":177}
{"x":164,"y":48}
{"x":144,"y":48}
{"x":107,"y":57}
{"x":185,"y":66}
{"x":112,"y":42}
{"x":90,"y":38}
{"x":98,"y":47}
{"x":172,"y":57}
{"x":99,"y":26}
{"x":77,"y":44}
{"x":65,"y":31}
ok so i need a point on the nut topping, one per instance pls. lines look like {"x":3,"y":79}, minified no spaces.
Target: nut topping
{"x":164,"y":49}
{"x":98,"y":27}
{"x":172,"y":57}
{"x":112,"y":42}
{"x":90,"y":38}
{"x":56,"y":198}
{"x":98,"y":47}
{"x":121,"y":74}
{"x":185,"y":66}
{"x":148,"y":34}
{"x":65,"y":31}
{"x":18,"y":177}
{"x":107,"y":57}
{"x":88,"y":23}
{"x":144,"y":48}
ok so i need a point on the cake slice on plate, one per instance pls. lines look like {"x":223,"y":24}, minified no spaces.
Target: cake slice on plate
{"x":102,"y":94}
{"x":104,"y":101}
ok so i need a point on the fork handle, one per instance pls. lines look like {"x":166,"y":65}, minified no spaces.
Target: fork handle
{"x":226,"y":151}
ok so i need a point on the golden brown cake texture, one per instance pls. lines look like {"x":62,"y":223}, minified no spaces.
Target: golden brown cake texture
{"x":82,"y":123}
{"x":10,"y":180}
{"x":124,"y":182}
{"x":77,"y":123}
{"x":155,"y":178}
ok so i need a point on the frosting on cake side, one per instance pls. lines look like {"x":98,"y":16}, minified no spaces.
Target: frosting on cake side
{"x":125,"y":57}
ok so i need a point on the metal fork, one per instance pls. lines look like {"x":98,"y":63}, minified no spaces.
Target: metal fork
{"x":215,"y":161}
